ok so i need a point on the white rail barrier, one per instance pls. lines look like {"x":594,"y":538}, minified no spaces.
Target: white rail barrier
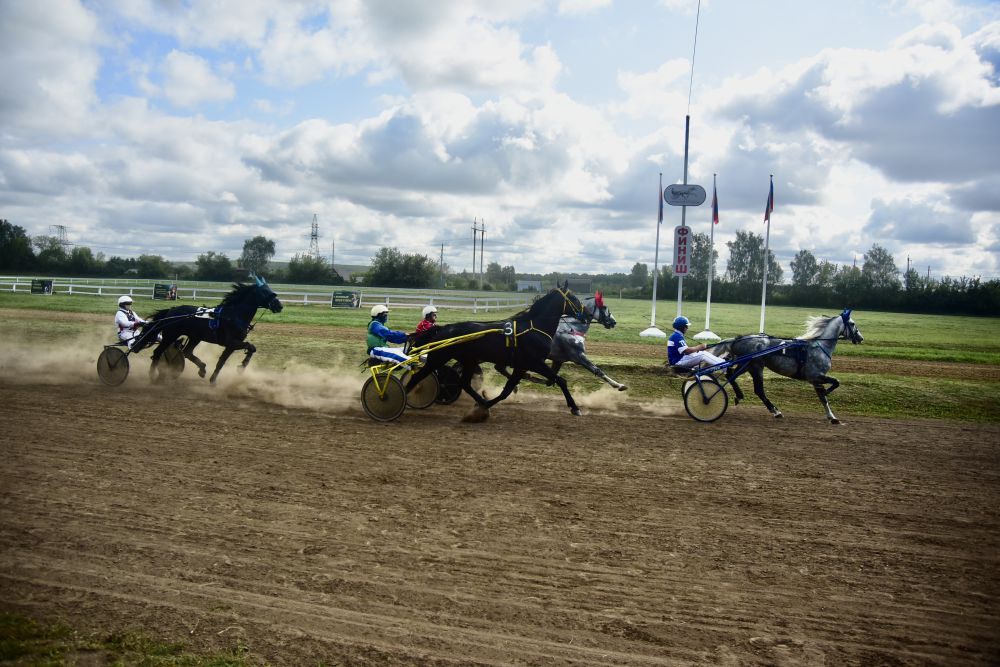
{"x":143,"y":289}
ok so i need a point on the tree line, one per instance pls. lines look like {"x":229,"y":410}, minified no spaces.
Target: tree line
{"x":877,"y":284}
{"x":47,"y":254}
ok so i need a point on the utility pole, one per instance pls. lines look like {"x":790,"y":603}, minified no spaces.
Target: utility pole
{"x":441,"y":265}
{"x":476,"y":230}
{"x":475,"y":235}
{"x":482,"y":267}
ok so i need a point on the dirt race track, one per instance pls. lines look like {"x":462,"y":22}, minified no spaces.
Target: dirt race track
{"x":630,"y":536}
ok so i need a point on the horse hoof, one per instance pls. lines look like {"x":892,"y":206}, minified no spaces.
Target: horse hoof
{"x":622,"y":387}
{"x":201,"y":372}
{"x":577,"y":412}
{"x":836,"y":422}
{"x":778,"y":415}
{"x":477,"y":415}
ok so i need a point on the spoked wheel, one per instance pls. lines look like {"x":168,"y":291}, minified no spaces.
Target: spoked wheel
{"x":173,"y":356}
{"x":112,"y":366}
{"x":450,"y":385}
{"x":424,"y":394}
{"x":706,"y":401}
{"x":387,"y":406}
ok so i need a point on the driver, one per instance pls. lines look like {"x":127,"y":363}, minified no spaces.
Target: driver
{"x":127,"y":321}
{"x":430,"y":319}
{"x":379,"y":334}
{"x":684,"y":356}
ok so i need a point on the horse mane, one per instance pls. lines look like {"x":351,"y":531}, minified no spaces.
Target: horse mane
{"x":239,"y":289}
{"x":815,"y":326}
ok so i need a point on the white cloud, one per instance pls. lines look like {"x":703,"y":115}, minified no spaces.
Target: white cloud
{"x":50,"y":64}
{"x":188,"y":80}
{"x":577,"y":7}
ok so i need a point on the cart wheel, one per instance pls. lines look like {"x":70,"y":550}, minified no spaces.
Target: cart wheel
{"x":706,"y":401}
{"x":174,"y":358}
{"x":112,"y":366}
{"x":450,"y":385}
{"x":687,"y":383}
{"x":424,"y":394}
{"x":389,"y":405}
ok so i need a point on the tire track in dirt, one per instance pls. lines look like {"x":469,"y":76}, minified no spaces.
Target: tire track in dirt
{"x":534,"y":538}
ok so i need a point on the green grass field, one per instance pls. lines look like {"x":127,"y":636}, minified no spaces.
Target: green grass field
{"x":892,"y":337}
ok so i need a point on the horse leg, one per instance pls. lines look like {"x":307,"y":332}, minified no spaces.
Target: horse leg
{"x":250,"y":348}
{"x":223,"y":358}
{"x":737,"y":392}
{"x":823,"y":392}
{"x":582,"y":360}
{"x":515,"y":378}
{"x":558,"y":379}
{"x":189,"y":355}
{"x":157,"y":353}
{"x":758,"y":388}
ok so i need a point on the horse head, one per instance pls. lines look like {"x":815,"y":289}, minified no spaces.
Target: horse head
{"x":259,"y":295}
{"x":602,"y":313}
{"x":851,"y":331}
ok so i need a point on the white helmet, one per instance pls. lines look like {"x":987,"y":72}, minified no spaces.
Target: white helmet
{"x":429,"y":309}
{"x":122,"y":300}
{"x":379,"y":309}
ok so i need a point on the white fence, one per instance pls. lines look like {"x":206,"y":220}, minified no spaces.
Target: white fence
{"x":401,"y":298}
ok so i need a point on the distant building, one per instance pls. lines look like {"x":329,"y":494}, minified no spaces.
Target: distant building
{"x":529,"y":285}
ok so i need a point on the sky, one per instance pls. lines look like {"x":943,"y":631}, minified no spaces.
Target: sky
{"x":178,"y":127}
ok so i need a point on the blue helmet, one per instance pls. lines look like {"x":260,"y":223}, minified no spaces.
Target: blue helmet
{"x":681,"y":321}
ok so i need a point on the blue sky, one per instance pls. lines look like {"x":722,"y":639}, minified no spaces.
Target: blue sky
{"x":177,"y":127}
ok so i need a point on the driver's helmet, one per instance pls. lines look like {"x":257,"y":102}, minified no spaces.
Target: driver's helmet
{"x":125,"y":300}
{"x":379,"y":309}
{"x":429,"y":309}
{"x":681,"y":322}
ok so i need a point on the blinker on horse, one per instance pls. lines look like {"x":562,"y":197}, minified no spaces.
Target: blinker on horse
{"x":808,"y":358}
{"x":227,"y":325}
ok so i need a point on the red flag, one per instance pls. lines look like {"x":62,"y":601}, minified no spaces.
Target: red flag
{"x":770,"y":202}
{"x":715,"y":206}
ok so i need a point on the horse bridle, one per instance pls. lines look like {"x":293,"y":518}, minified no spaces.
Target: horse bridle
{"x":578,"y":314}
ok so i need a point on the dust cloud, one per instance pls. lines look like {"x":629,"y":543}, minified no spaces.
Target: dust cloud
{"x":53,"y":364}
{"x":297,"y":384}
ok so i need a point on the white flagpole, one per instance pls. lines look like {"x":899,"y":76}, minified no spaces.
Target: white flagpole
{"x":653,"y":331}
{"x":767,"y":242}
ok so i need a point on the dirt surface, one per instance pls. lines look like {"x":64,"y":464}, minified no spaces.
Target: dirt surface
{"x":271,"y":513}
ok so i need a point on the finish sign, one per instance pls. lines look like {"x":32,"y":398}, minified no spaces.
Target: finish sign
{"x":682,"y":250}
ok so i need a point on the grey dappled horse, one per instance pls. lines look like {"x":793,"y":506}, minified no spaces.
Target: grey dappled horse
{"x":809,"y":361}
{"x":569,"y":342}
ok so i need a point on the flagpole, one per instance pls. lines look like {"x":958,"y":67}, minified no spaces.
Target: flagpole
{"x":767,"y":242}
{"x":680,"y":278}
{"x":653,"y":331}
{"x":711,"y":258}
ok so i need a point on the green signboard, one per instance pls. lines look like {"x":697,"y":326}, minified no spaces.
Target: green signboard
{"x":344,"y":299}
{"x":165,"y":292}
{"x":41,"y":287}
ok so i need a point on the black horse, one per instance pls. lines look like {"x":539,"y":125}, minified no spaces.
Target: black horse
{"x":227,"y":325}
{"x":521,"y":342}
